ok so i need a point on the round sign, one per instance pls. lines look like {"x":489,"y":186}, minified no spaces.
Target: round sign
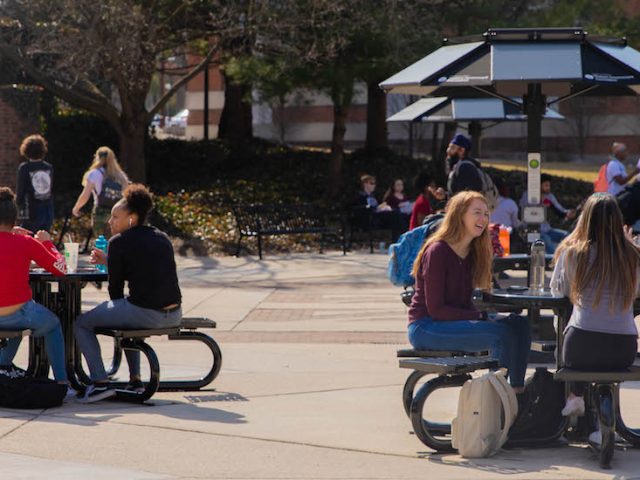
{"x":534,"y":163}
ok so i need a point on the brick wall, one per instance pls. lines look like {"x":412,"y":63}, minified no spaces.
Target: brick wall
{"x":13,"y":128}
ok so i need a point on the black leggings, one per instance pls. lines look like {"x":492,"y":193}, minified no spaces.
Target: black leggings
{"x":595,"y":351}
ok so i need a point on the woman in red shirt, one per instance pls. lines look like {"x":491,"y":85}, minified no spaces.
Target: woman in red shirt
{"x":17,"y":308}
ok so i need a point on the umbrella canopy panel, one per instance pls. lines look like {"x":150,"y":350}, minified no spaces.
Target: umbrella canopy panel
{"x":443,"y":109}
{"x":507,"y":67}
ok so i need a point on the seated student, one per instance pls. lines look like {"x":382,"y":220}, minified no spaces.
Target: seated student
{"x":453,"y":261}
{"x":506,"y":211}
{"x":396,"y":199}
{"x":431,"y":199}
{"x":398,"y":202}
{"x":551,"y":236}
{"x":17,"y":309}
{"x":369,"y":214}
{"x":597,"y":267}
{"x":143,"y":257}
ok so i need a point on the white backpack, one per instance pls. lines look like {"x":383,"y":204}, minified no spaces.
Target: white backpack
{"x":479,"y":430}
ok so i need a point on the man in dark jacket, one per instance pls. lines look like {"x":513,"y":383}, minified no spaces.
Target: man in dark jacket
{"x":629,"y":202}
{"x":463,"y":170}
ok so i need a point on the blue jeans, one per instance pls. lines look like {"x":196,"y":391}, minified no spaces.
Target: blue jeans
{"x":117,"y":314}
{"x":552,"y":238}
{"x":508,"y":339}
{"x":44,"y":323}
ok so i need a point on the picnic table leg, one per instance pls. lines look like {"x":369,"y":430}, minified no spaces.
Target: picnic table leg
{"x":259,"y":246}
{"x":606,"y":417}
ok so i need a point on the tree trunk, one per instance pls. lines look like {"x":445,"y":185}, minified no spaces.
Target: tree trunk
{"x":236,"y":118}
{"x":376,"y":117}
{"x":131,"y":154}
{"x":337,"y":149}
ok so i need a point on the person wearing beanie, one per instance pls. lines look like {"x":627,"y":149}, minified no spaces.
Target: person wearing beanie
{"x":464,"y":176}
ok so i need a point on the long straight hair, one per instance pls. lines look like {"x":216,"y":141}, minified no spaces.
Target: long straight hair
{"x":452,"y":230}
{"x":615,"y":259}
{"x":110,"y":164}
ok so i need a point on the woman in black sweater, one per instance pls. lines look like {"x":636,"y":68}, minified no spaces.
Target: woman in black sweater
{"x":142,"y":256}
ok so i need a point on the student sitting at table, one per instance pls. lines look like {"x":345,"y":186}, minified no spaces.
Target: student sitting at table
{"x":142,"y":256}
{"x":597,"y":267}
{"x":17,"y":309}
{"x":453,"y":261}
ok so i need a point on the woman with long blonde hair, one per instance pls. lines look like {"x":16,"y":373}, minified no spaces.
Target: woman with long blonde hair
{"x":597,"y":268}
{"x":456,"y":259}
{"x":97,"y":181}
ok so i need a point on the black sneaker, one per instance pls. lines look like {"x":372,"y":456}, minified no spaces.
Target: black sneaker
{"x":95,"y":393}
{"x":135,"y":386}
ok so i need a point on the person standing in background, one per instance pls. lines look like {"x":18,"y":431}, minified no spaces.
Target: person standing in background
{"x":617,"y":176}
{"x":34,"y":188}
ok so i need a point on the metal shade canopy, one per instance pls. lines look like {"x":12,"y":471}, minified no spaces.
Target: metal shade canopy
{"x":444,"y":109}
{"x":472,"y":110}
{"x":532,"y":64}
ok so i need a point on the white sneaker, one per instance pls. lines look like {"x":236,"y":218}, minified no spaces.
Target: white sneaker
{"x":596,"y":437}
{"x":574,"y":406}
{"x":71,"y":395}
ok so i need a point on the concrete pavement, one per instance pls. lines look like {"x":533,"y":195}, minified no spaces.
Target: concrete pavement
{"x":309,"y":388}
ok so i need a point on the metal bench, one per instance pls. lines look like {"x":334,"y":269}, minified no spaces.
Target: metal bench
{"x":606,"y":397}
{"x":452,"y":369}
{"x":265,"y":220}
{"x":134,"y":339}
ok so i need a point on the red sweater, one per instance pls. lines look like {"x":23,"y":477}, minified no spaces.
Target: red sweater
{"x":444,"y":286}
{"x":16,"y":253}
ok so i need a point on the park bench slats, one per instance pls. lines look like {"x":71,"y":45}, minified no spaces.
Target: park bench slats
{"x":571,"y":375}
{"x":264,"y":220}
{"x":448,"y":365}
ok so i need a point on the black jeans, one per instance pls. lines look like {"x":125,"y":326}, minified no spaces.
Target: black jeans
{"x":595,"y":351}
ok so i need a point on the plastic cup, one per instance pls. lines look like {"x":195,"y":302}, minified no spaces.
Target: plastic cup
{"x":71,"y":256}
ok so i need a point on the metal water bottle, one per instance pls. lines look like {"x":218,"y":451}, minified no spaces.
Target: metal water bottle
{"x":101,"y":244}
{"x":537,"y":266}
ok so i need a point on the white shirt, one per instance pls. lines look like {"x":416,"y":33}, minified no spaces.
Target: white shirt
{"x":506,"y":213}
{"x":614,"y":169}
{"x":96,"y":178}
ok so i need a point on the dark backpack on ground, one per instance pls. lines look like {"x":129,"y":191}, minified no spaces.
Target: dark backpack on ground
{"x":20,"y":391}
{"x":111,"y":191}
{"x":539,"y":412}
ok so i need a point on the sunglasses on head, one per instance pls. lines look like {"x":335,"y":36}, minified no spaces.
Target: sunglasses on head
{"x":102,"y":154}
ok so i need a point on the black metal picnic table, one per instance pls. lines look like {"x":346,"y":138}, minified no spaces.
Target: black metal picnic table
{"x":500,"y":298}
{"x":67,"y":304}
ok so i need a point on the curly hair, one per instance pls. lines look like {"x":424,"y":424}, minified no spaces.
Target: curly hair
{"x":34,"y":147}
{"x":138,"y":199}
{"x":8,"y":207}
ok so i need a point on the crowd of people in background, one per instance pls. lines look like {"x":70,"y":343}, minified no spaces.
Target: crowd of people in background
{"x":399,"y":213}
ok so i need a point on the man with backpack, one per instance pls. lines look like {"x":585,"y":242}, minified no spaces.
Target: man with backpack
{"x":466,"y":173}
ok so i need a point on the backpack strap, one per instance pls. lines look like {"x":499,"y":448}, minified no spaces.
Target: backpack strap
{"x":509,"y":403}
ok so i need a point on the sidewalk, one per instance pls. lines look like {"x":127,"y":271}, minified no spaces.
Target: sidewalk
{"x":309,"y":388}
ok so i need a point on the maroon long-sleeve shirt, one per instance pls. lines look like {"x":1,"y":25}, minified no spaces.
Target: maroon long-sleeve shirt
{"x":443,"y":286}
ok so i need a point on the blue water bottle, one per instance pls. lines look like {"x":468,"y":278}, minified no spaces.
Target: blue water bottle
{"x":101,"y":244}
